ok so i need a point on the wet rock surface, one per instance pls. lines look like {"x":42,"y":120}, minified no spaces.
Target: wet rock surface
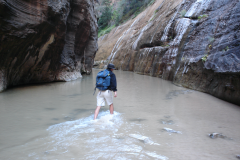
{"x":45,"y":41}
{"x":169,"y":122}
{"x":193,"y":43}
{"x":219,"y":135}
{"x":143,"y":139}
{"x":166,"y":120}
{"x":171,"y":130}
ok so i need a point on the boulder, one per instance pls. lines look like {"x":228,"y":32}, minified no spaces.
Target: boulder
{"x":217,"y":135}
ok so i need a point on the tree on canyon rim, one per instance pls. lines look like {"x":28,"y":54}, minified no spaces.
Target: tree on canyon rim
{"x":106,"y":16}
{"x":115,"y":13}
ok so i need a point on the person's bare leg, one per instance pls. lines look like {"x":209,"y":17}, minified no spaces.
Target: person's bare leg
{"x":96,"y":112}
{"x":111,"y":108}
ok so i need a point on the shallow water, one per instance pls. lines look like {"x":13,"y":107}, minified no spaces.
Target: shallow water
{"x":153,"y":119}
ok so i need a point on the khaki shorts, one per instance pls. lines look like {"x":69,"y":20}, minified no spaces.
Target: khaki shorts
{"x":103,"y":96}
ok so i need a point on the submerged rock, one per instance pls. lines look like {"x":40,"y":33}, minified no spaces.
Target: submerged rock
{"x":171,"y":130}
{"x":175,"y":93}
{"x":169,"y":122}
{"x":218,"y":135}
{"x":143,"y":139}
{"x":166,"y":120}
{"x":45,"y":41}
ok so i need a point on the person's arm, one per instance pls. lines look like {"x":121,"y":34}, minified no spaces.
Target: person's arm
{"x":114,"y":84}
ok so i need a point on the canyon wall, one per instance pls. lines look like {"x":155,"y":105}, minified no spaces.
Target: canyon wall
{"x":46,"y":40}
{"x":194,"y":43}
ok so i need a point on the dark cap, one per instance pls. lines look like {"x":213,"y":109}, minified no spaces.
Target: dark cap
{"x":111,"y":66}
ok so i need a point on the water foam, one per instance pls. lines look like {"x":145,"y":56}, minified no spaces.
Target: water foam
{"x":108,"y":137}
{"x":86,"y":125}
{"x":197,"y":8}
{"x":167,"y":28}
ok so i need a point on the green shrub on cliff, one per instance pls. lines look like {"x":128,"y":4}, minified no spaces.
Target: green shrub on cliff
{"x":151,"y":2}
{"x":204,"y":58}
{"x":226,"y":49}
{"x":202,"y":16}
{"x":105,"y":31}
{"x":183,"y":12}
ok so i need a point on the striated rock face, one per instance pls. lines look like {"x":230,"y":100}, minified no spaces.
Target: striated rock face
{"x":46,"y":40}
{"x":194,"y":43}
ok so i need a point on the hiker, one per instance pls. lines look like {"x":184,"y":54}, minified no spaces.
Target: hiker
{"x":105,"y":93}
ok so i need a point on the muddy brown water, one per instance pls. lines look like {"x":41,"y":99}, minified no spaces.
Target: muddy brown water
{"x":153,"y":119}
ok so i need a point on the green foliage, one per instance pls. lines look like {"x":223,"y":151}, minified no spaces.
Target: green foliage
{"x":204,"y":58}
{"x":105,"y":31}
{"x":202,"y":16}
{"x":226,"y":49}
{"x":125,"y":10}
{"x":167,"y":45}
{"x":151,"y":2}
{"x":114,"y":15}
{"x":133,"y":7}
{"x":210,"y":45}
{"x":183,"y":12}
{"x":107,"y":2}
{"x":117,"y":21}
{"x":106,"y":15}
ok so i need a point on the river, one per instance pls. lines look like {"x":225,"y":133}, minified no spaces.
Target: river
{"x":153,"y":119}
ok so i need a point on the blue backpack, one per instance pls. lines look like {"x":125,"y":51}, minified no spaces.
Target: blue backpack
{"x":103,"y":80}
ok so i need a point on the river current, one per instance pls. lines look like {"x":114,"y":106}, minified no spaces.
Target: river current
{"x":153,"y":119}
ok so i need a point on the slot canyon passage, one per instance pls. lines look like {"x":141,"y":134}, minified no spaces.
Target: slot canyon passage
{"x":178,"y":75}
{"x":153,"y":119}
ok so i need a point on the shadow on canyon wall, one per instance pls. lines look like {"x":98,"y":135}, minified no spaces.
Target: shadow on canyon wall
{"x":45,"y":41}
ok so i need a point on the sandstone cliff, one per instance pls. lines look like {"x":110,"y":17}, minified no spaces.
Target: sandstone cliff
{"x":194,"y":43}
{"x":46,"y":40}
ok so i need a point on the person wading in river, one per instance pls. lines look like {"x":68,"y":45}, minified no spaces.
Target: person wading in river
{"x":107,"y":94}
